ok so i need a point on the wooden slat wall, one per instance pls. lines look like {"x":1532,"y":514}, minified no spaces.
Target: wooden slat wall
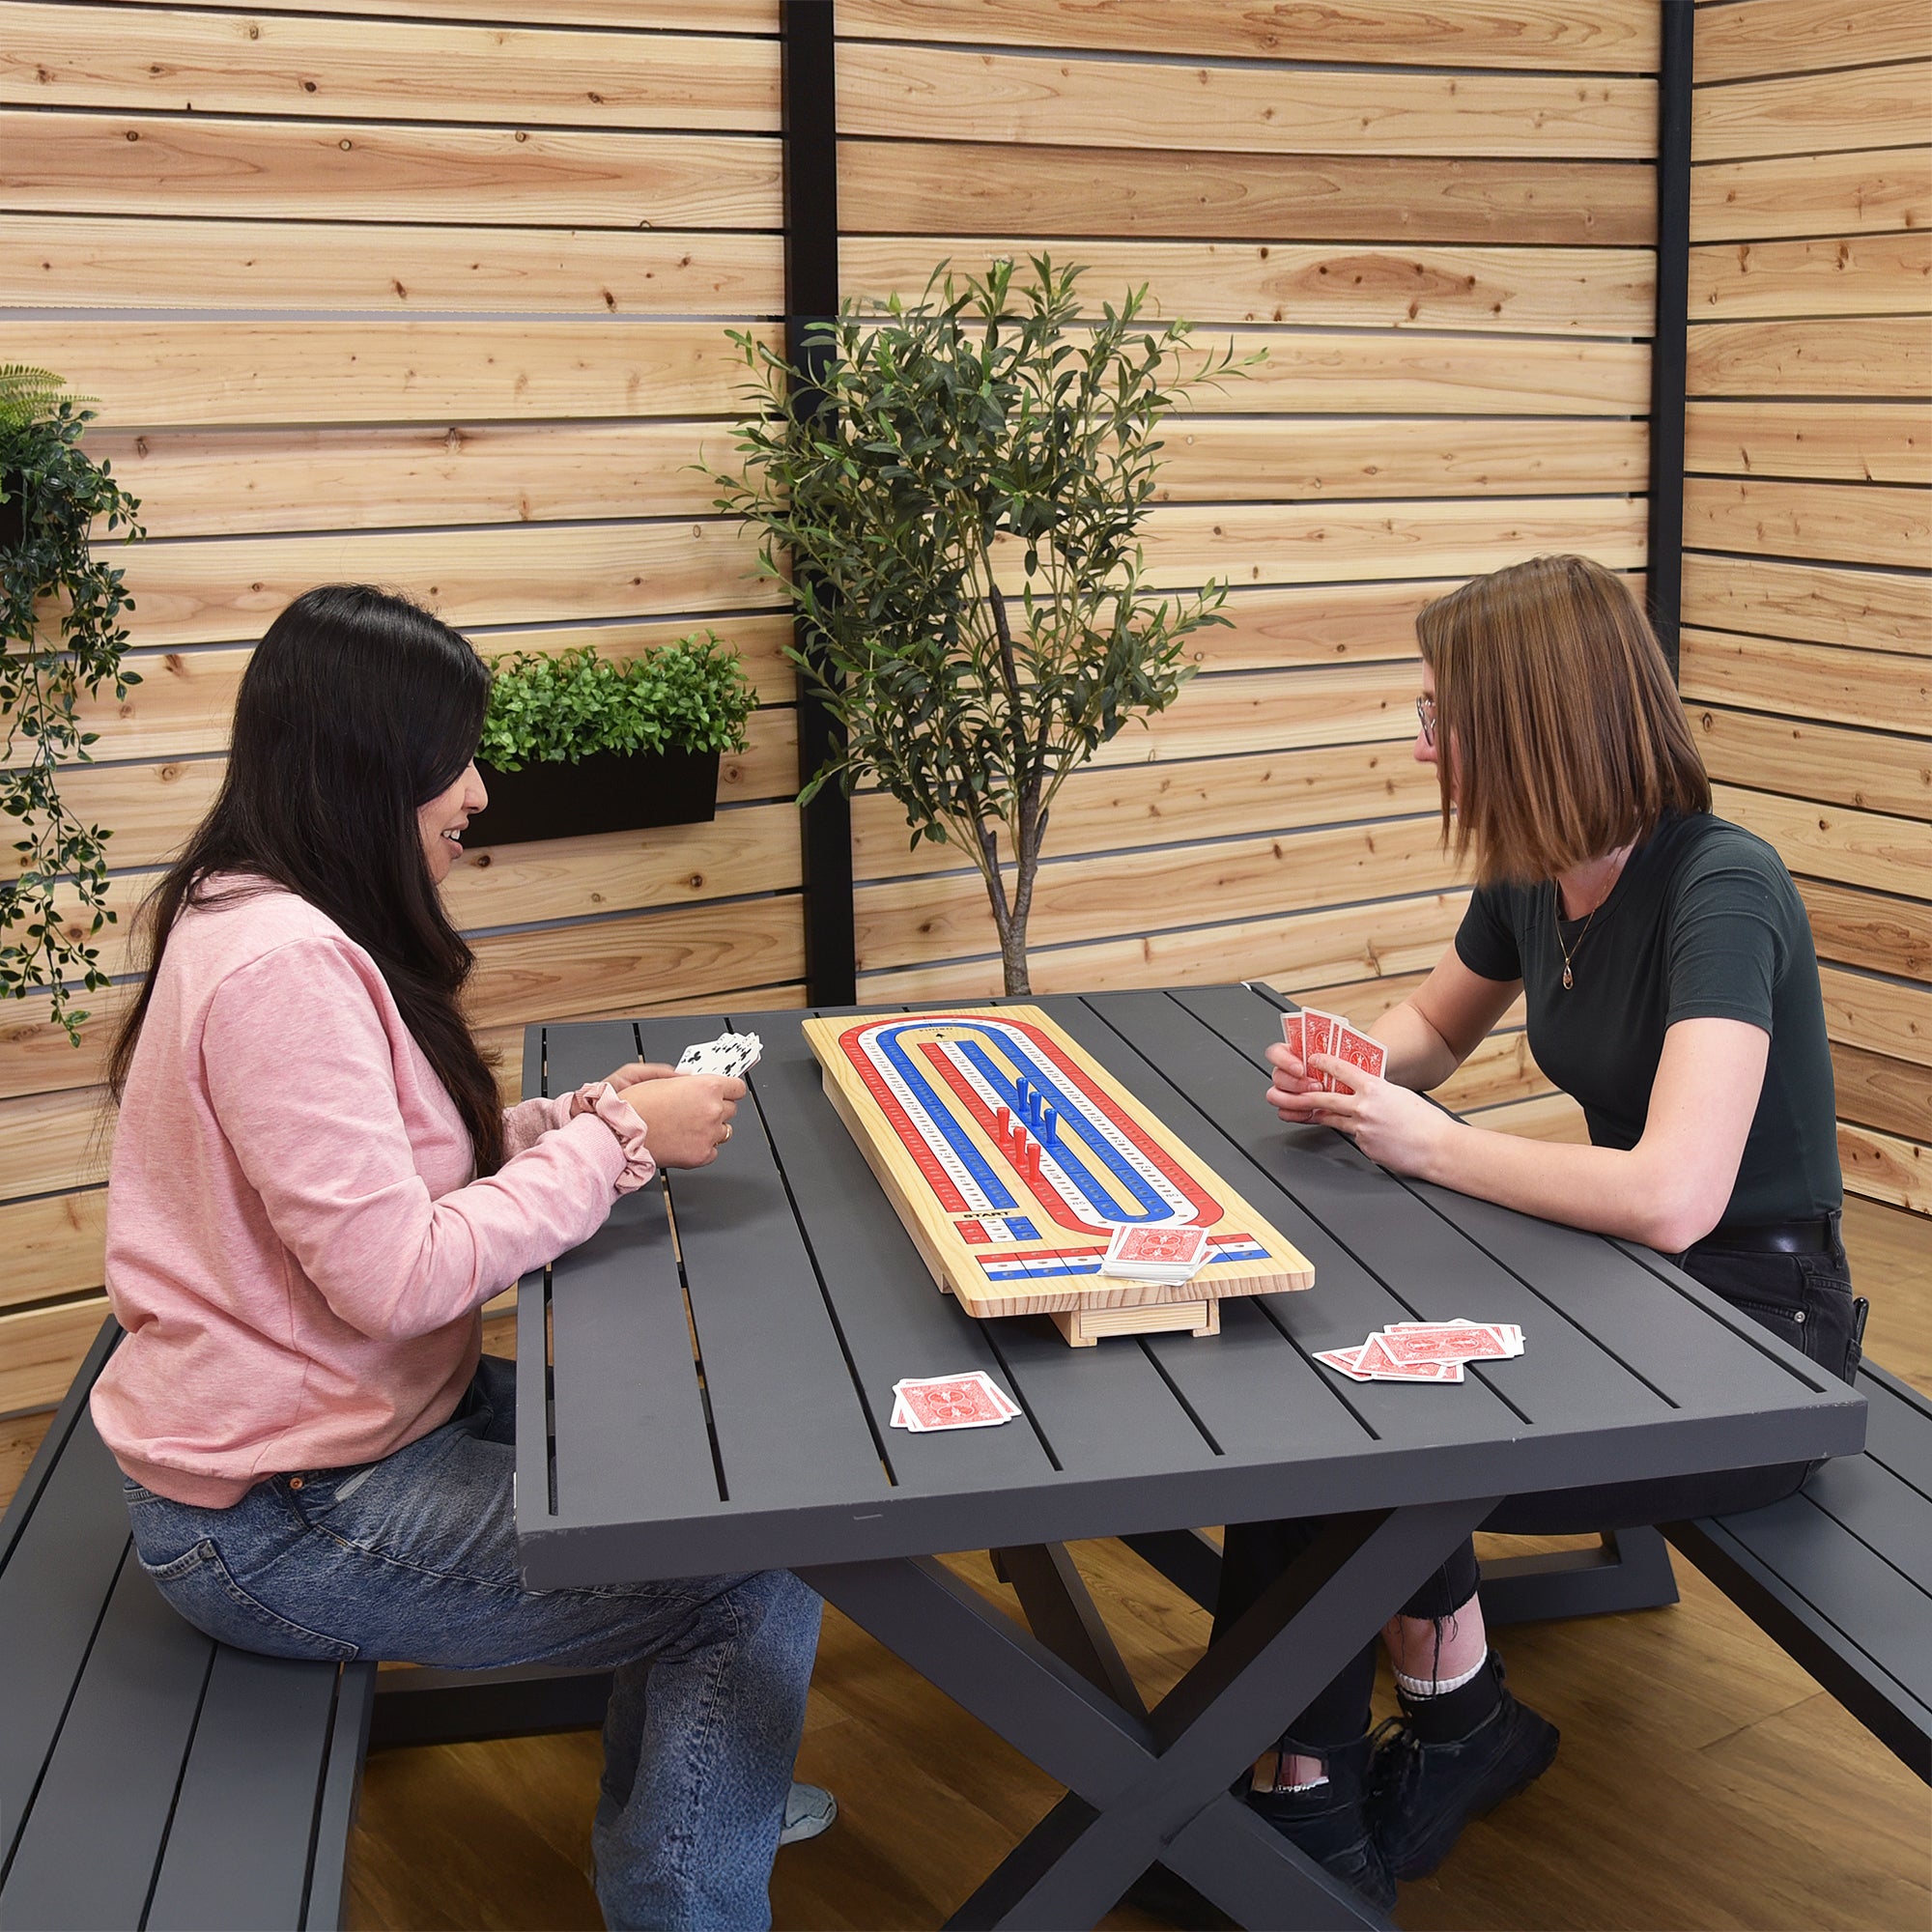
{"x":1807,"y":513}
{"x":1439,"y":221}
{"x":431,"y":292}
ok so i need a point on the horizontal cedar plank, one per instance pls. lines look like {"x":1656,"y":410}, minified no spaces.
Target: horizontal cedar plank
{"x":1820,"y":113}
{"x":200,"y":374}
{"x":755,"y":850}
{"x":230,"y":587}
{"x":1549,"y":1116}
{"x":1886,"y":1167}
{"x":1846,"y":522}
{"x":184,"y":700}
{"x":1843,"y":356}
{"x":71,"y":262}
{"x":1879,"y":1015}
{"x":1583,"y":292}
{"x":122,"y":164}
{"x":902,"y":920}
{"x":1295,"y":544}
{"x":1871,"y":687}
{"x":1240,"y":459}
{"x":1109,"y":808}
{"x":1398,"y":934}
{"x":1811,"y":195}
{"x":177,"y":60}
{"x":52,"y":1141}
{"x":41,"y":1348}
{"x":1264,"y":711}
{"x":1391,"y":373}
{"x":53,"y":1246}
{"x":1893,"y":1095}
{"x":1316,"y":624}
{"x":1869,"y":929}
{"x":938,"y":188}
{"x":1366,"y":1000}
{"x":1868,"y":610}
{"x":225,"y":482}
{"x":1819,"y":440}
{"x":36,"y":1057}
{"x":1776,"y":37}
{"x":1859,"y":848}
{"x":1870,"y":771}
{"x":687,"y":954}
{"x":952,"y":94}
{"x":706,"y":16}
{"x":1862,"y":274}
{"x":1619,"y":36}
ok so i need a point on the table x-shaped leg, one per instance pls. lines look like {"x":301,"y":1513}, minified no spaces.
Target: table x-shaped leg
{"x":1141,"y":1789}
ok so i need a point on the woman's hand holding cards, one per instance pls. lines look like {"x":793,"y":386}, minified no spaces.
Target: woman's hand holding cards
{"x":1394,"y":1127}
{"x":686,"y":1116}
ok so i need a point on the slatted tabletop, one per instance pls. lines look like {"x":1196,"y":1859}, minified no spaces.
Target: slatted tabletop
{"x":721,"y":1355}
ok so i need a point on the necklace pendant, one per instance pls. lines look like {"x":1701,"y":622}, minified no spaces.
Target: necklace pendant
{"x":1568,"y":982}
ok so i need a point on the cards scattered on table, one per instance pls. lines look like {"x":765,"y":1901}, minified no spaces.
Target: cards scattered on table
{"x":1311,"y":1031}
{"x":732,"y":1054}
{"x":1425,"y":1352}
{"x":972,"y":1401}
{"x":1168,"y":1256}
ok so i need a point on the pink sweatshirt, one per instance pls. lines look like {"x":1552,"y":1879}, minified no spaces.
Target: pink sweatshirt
{"x":294,"y":1245}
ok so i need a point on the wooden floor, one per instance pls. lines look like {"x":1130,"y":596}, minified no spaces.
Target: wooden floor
{"x":1704,"y":1779}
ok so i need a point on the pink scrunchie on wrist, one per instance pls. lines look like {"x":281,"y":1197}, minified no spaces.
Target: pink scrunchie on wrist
{"x":601,"y":1099}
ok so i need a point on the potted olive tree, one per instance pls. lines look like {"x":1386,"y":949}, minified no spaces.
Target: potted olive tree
{"x":953,"y":500}
{"x":579,"y":743}
{"x":60,"y":639}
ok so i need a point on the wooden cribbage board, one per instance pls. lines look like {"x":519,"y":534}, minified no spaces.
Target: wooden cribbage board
{"x":1008,"y":1151}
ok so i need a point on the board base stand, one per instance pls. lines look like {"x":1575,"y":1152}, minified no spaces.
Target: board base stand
{"x":1083,"y":1327}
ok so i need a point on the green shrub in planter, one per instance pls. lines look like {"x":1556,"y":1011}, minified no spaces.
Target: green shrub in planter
{"x":60,"y":638}
{"x":577,"y":743}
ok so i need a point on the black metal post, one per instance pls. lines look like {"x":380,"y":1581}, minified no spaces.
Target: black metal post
{"x":1673,"y":307}
{"x":811,"y":295}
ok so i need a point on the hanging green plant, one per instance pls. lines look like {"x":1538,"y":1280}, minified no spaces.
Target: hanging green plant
{"x":60,"y":624}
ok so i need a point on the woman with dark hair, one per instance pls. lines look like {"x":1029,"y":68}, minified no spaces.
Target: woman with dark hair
{"x":315,"y":1189}
{"x":1667,"y":964}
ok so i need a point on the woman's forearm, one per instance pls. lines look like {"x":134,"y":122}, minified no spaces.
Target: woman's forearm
{"x":1419,"y":1058}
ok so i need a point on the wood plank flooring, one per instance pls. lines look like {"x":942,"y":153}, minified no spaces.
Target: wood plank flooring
{"x":1704,"y":1781}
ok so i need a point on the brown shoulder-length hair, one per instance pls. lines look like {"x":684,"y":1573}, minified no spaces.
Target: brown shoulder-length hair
{"x":1556,"y":706}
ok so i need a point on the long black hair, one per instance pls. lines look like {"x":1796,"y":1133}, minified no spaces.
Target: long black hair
{"x":355,"y":709}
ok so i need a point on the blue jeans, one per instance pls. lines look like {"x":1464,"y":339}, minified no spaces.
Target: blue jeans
{"x":414,"y":1558}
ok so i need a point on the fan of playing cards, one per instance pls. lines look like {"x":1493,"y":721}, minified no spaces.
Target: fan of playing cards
{"x":1312,"y":1031}
{"x":732,"y":1054}
{"x":972,"y":1401}
{"x":1425,"y":1352}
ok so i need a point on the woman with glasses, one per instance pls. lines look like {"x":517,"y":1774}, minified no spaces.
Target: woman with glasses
{"x":1666,"y":966}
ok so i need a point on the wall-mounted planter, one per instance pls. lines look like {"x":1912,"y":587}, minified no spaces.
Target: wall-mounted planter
{"x":607,"y":791}
{"x":14,"y":511}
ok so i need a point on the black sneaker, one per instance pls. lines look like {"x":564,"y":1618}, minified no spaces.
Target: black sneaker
{"x":1330,"y":1823}
{"x":1421,"y":1795}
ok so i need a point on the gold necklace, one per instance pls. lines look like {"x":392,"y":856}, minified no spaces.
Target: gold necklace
{"x":1556,"y":914}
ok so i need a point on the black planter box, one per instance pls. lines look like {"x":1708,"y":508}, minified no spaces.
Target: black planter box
{"x":607,"y":791}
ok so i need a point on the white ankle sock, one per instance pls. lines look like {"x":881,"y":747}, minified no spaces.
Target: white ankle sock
{"x":1422,"y":1686}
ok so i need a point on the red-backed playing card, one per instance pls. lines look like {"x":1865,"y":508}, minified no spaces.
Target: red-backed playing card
{"x":1358,"y":1049}
{"x":1320,"y":1030}
{"x":1164,"y":1246}
{"x":955,"y":1402}
{"x":1291,"y":1032}
{"x":1443,"y":1343}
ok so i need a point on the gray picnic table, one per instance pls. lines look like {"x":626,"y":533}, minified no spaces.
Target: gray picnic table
{"x":721,"y":1360}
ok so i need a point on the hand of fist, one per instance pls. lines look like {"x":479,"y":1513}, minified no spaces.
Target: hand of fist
{"x":686,"y":1116}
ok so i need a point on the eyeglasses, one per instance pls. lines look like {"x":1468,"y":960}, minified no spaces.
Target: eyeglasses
{"x":1425,"y":709}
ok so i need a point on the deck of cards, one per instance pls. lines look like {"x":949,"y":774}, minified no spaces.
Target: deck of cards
{"x":1312,"y":1031}
{"x":1169,"y":1256}
{"x":732,"y":1054}
{"x":1425,"y":1352}
{"x":923,"y":1404}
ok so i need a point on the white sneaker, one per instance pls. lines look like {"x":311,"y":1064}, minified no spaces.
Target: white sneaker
{"x":809,"y":1809}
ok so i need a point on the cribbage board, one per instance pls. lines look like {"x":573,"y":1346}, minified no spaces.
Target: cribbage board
{"x":1011,"y":1155}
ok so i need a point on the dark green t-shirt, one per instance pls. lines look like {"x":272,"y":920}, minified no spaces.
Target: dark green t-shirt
{"x":1704,"y":924}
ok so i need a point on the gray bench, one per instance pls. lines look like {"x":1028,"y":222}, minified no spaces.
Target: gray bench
{"x":1841,"y":1573}
{"x":153,"y":1778}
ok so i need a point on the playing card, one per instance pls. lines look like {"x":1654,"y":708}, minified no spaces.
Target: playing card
{"x":1378,"y":1362}
{"x":1158,"y":1247}
{"x":1343,"y":1359}
{"x":1443,"y":1344}
{"x":1320,"y":1031}
{"x":1291,"y":1032}
{"x":732,"y":1054}
{"x":1507,"y":1335}
{"x":1361,"y":1050}
{"x":972,"y":1401}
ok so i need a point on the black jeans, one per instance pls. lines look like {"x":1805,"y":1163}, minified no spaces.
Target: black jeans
{"x":1805,"y":1299}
